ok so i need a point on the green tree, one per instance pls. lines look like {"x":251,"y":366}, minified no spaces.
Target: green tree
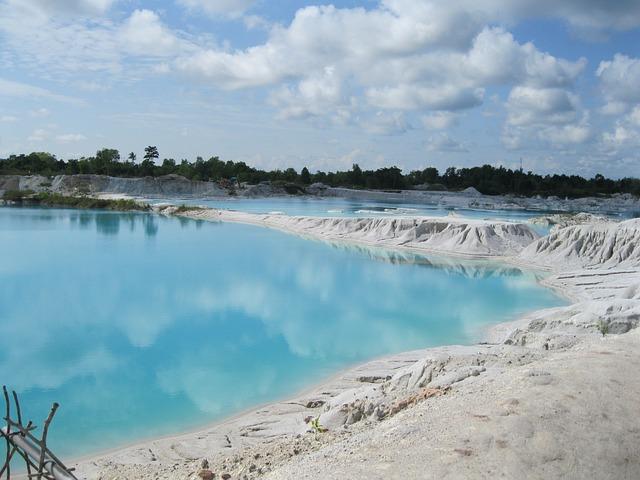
{"x":431,"y":175}
{"x":132,"y":157}
{"x":355,"y":176}
{"x":290,"y":174}
{"x":305,"y":176}
{"x":151,"y":153}
{"x":105,"y":162}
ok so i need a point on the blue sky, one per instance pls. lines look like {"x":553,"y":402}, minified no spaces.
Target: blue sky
{"x":277,"y":84}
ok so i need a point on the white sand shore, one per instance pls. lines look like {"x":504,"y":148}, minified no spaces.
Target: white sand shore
{"x":549,"y":396}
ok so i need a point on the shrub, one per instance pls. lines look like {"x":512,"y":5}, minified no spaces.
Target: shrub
{"x":187,"y":208}
{"x":16,"y":195}
{"x":603,"y":327}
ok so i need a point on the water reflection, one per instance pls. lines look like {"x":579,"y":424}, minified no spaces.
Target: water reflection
{"x":471,"y":268}
{"x":211,"y":318}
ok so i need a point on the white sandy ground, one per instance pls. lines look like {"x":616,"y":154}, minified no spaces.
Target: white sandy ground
{"x":547,"y":396}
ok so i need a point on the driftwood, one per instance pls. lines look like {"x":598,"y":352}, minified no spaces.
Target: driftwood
{"x":41,"y":463}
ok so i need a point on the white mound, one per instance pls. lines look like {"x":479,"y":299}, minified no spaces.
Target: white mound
{"x":602,"y":244}
{"x":452,"y":236}
{"x":471,"y":192}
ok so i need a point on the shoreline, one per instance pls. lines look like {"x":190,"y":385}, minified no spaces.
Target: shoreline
{"x":486,"y":334}
{"x":337,"y":384}
{"x":361,"y":396}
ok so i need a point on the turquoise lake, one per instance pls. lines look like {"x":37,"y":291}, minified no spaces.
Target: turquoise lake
{"x":140,"y":325}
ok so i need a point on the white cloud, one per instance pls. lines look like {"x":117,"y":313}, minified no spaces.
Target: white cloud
{"x":619,"y":83}
{"x":68,"y":46}
{"x":39,"y":135}
{"x":8,"y":118}
{"x":383,"y":123}
{"x":534,"y":106}
{"x":330,"y":71}
{"x":624,"y":136}
{"x":9,"y":88}
{"x":439,"y":120}
{"x":444,"y":143}
{"x":328,"y":62}
{"x":496,"y":58}
{"x":144,"y":34}
{"x":620,"y":136}
{"x":73,"y":7}
{"x":568,"y":134}
{"x":441,"y":97}
{"x":539,"y":117}
{"x":231,"y":8}
{"x":316,"y":95}
{"x":70,"y":138}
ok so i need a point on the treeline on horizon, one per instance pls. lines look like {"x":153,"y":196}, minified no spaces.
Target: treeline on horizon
{"x":487,"y":179}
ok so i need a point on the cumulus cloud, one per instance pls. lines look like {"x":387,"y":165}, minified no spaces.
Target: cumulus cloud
{"x":329,"y":61}
{"x":545,"y":115}
{"x":441,"y":97}
{"x":568,"y":134}
{"x":624,"y":135}
{"x":319,"y":94}
{"x":144,"y":34}
{"x":408,"y":62}
{"x":532,"y":106}
{"x":619,"y":83}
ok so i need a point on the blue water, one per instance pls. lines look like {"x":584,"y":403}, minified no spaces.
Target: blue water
{"x":333,"y":207}
{"x":142,"y":325}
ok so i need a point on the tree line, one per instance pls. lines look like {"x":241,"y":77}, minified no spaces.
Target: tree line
{"x":486,"y":179}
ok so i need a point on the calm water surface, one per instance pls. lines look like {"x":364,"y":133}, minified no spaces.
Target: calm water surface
{"x":344,"y":207}
{"x":141,"y":325}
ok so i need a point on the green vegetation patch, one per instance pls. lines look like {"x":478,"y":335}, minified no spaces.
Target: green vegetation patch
{"x":16,"y":195}
{"x":187,"y":208}
{"x":57,"y":200}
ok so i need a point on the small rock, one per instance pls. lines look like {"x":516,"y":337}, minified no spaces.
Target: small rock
{"x":206,"y":474}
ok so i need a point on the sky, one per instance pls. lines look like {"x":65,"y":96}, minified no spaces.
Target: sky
{"x":412,"y":83}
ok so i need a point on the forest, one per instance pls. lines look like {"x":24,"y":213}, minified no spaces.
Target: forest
{"x":487,"y":179}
